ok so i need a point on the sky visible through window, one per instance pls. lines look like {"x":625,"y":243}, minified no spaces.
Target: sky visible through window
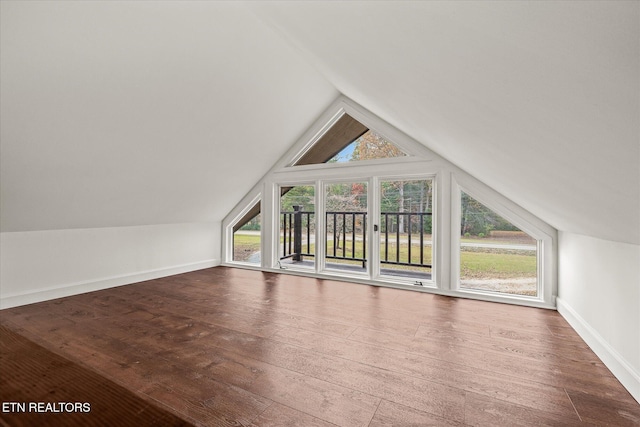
{"x":346,"y":154}
{"x":368,"y":147}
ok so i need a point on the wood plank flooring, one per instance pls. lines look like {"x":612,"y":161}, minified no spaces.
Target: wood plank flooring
{"x":232,"y":347}
{"x":36,"y":381}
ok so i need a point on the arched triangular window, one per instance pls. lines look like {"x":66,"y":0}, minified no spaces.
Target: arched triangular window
{"x":348,"y":140}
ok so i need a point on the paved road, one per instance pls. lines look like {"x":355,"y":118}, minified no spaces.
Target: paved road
{"x":499,"y":246}
{"x":516,"y":247}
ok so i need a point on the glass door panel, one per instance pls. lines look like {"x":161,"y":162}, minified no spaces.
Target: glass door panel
{"x":346,"y":226}
{"x":406,"y":227}
{"x":297,"y":246}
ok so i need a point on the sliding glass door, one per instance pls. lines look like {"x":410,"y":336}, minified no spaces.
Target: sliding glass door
{"x":376,"y":227}
{"x":345,"y":214}
{"x":406,"y":229}
{"x":297,"y":236}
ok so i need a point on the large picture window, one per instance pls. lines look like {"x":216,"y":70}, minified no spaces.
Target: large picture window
{"x":358,"y":200}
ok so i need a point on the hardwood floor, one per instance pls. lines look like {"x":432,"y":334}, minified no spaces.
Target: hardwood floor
{"x":36,"y":381}
{"x":230,"y":347}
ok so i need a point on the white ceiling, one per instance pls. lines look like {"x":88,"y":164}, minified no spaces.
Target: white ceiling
{"x":130,"y":113}
{"x":539,"y":100}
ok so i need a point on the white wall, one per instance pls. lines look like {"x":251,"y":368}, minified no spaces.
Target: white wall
{"x":526,"y":113}
{"x":117,"y":114}
{"x":41,"y":265}
{"x":599,"y":294}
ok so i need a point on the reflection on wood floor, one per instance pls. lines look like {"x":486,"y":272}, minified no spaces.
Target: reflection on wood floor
{"x":228,"y":347}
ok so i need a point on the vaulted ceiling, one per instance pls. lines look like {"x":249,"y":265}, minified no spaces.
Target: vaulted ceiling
{"x":135,"y":113}
{"x":127,"y":113}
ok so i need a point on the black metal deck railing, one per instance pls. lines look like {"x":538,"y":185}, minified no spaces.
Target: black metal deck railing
{"x":409,"y":225}
{"x":347,"y":236}
{"x":339,"y":224}
{"x":292,"y":225}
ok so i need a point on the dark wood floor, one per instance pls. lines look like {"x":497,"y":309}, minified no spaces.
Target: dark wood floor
{"x":35,"y":382}
{"x":230,"y":347}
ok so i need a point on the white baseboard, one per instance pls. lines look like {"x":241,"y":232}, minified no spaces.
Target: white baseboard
{"x":620,"y":368}
{"x":39,"y":295}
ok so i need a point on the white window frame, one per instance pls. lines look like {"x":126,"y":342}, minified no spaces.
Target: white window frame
{"x":275,"y":261}
{"x":420,"y":163}
{"x":525,"y":221}
{"x":434,"y":226}
{"x":247,"y":203}
{"x":321,"y":264}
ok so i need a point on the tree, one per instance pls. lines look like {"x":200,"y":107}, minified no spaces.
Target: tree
{"x":300,"y":195}
{"x":344,"y":198}
{"x":477,"y":218}
{"x":373,"y":146}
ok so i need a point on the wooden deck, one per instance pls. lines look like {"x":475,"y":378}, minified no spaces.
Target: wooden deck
{"x":232,"y":347}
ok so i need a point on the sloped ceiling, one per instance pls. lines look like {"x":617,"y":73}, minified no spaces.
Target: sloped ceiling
{"x":129,"y":113}
{"x":136,"y":113}
{"x":539,"y":100}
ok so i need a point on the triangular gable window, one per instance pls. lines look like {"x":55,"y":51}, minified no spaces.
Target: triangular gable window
{"x":348,"y":140}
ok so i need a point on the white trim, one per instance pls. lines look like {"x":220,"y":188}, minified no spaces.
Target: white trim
{"x":315,"y":138}
{"x":248,"y":205}
{"x":455,"y":215}
{"x":277,"y":209}
{"x":621,"y":369}
{"x":435,"y":231}
{"x":45,"y":294}
{"x":441,"y":272}
{"x":420,"y":161}
{"x":503,"y":206}
{"x":407,"y":144}
{"x":361,"y":280}
{"x":341,"y":106}
{"x":241,"y":209}
{"x":397,"y":162}
{"x":312,"y":135}
{"x":373,"y":236}
{"x":545,"y":235}
{"x":321,"y":233}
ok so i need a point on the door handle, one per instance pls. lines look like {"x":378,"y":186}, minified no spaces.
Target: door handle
{"x":375,"y":227}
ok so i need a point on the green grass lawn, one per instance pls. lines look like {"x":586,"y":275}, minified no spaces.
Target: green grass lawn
{"x":480,"y":265}
{"x":473,"y":264}
{"x":244,"y":245}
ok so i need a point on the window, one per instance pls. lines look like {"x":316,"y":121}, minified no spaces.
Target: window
{"x":346,"y":207}
{"x":408,"y":218}
{"x":406,"y":228}
{"x":348,"y":140}
{"x":297,"y":237}
{"x":495,"y":255}
{"x":247,"y":238}
{"x":369,"y":146}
